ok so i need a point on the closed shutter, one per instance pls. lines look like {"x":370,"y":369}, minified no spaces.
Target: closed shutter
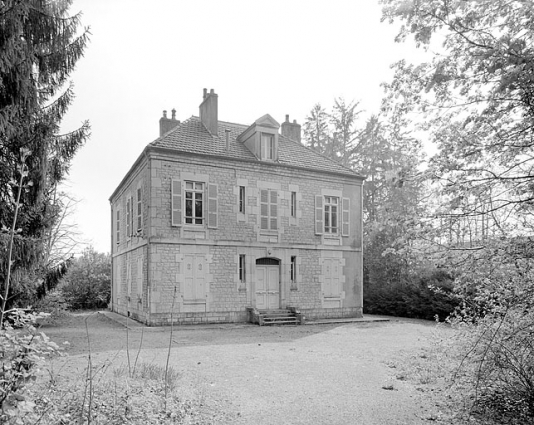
{"x":128,"y":218}
{"x":264,"y":209}
{"x":212,"y":206}
{"x":319,"y":215}
{"x":273,"y":210}
{"x":176,"y":196}
{"x":345,"y":227}
{"x":139,"y":210}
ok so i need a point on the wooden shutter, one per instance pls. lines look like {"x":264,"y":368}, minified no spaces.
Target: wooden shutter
{"x":128,"y":218}
{"x":212,"y":206}
{"x":139,"y":210}
{"x":345,"y":216}
{"x":319,"y":215}
{"x":264,"y":209}
{"x":176,"y":196}
{"x":273,"y":210}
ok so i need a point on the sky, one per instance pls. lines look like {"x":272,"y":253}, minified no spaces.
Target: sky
{"x":277,"y":57}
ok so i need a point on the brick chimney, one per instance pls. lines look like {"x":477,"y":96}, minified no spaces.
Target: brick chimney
{"x":291,"y":130}
{"x":208,"y":111}
{"x":166,"y":124}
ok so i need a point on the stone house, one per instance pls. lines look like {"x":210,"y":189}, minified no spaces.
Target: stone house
{"x":215,"y":217}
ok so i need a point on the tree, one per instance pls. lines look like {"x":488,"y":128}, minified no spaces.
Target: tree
{"x":87,"y":283}
{"x":316,"y":132}
{"x":475,"y":99}
{"x":39,"y":48}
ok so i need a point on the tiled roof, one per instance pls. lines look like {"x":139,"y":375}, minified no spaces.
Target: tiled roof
{"x":192,"y":137}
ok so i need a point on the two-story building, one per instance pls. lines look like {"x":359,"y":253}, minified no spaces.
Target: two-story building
{"x":215,"y":217}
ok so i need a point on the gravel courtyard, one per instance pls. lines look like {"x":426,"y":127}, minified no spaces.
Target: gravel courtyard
{"x":319,"y":374}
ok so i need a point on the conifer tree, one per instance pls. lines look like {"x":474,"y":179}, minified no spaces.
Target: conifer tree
{"x":40,"y":45}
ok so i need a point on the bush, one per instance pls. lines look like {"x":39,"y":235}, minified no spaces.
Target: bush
{"x":87,"y":284}
{"x":23,"y":351}
{"x":428,"y":296}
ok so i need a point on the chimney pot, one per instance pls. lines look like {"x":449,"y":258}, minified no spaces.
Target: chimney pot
{"x":287,"y":117}
{"x":211,"y":91}
{"x":205,"y":93}
{"x":294,"y":121}
{"x":173,"y":116}
{"x":164,"y":114}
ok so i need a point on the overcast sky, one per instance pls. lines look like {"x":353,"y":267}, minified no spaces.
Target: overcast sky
{"x":275,"y":57}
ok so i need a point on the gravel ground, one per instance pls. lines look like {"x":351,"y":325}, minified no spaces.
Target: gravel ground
{"x":323,"y":374}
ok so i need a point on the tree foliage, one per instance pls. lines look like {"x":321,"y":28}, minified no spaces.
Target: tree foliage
{"x":475,"y":101}
{"x":39,"y":48}
{"x":87,"y":283}
{"x":475,"y":97}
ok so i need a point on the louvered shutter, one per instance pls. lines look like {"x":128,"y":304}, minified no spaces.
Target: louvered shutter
{"x":345,"y":215}
{"x":176,"y":196}
{"x":273,"y":212}
{"x":139,"y":210}
{"x":319,"y":215}
{"x":212,"y":206}
{"x":264,"y":209}
{"x":128,"y":218}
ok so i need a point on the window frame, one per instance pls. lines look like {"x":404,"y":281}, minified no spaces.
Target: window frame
{"x":331,"y":213}
{"x":293,"y":204}
{"x":267,"y":152}
{"x":194,"y":191}
{"x":242,"y":198}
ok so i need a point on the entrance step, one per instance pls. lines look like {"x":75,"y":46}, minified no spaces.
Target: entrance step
{"x":275,"y":317}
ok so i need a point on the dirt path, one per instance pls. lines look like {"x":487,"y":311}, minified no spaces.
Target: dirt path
{"x":328,"y":374}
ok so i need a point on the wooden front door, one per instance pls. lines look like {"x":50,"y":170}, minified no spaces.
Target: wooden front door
{"x":267,"y":287}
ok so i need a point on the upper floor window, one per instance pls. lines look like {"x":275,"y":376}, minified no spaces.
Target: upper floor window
{"x":118,"y":227}
{"x":268,"y":209}
{"x":331,"y":214}
{"x":194,"y":203}
{"x":293,"y":204}
{"x":242,"y":199}
{"x":267,"y":146}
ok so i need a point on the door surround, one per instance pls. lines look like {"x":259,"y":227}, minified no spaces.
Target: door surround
{"x":268,"y":291}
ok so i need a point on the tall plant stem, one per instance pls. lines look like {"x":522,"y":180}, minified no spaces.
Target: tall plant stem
{"x":10,"y":250}
{"x":169,"y":351}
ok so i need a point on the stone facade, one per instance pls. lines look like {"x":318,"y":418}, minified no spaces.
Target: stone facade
{"x":249,"y":217}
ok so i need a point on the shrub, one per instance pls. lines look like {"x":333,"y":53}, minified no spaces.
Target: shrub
{"x":23,"y":351}
{"x":87,"y":284}
{"x":426,"y":297}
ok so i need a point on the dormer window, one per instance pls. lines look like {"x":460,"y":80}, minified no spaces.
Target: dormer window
{"x":261,"y":138}
{"x":267,"y":146}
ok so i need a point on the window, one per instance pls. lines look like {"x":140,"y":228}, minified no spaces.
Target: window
{"x":293,"y":204}
{"x":194,"y":200}
{"x":267,"y":146}
{"x":330,"y":214}
{"x":242,"y":199}
{"x":118,"y":227}
{"x":242,"y":268}
{"x":139,"y":211}
{"x":269,"y":209}
{"x":293,"y":271}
